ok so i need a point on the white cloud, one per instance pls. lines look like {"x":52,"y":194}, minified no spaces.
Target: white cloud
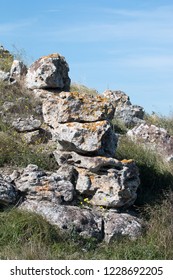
{"x":10,"y":27}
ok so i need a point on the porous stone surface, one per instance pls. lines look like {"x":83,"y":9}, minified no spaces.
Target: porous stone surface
{"x":26,"y":124}
{"x":130,"y":114}
{"x":153,"y":137}
{"x":65,"y":108}
{"x":118,"y":225}
{"x":48,"y":72}
{"x":41,"y":186}
{"x":8,"y":193}
{"x":96,"y":138}
{"x":70,"y":218}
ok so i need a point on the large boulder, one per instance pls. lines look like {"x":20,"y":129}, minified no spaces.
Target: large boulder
{"x":154,"y":138}
{"x":70,"y":218}
{"x":114,"y":187}
{"x":49,"y":72}
{"x":106,"y":181}
{"x":95,"y":138}
{"x":76,"y":107}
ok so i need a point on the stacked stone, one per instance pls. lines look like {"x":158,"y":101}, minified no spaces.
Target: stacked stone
{"x":88,"y":170}
{"x":81,"y":126}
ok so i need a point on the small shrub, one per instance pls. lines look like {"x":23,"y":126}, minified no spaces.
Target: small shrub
{"x":6,"y":60}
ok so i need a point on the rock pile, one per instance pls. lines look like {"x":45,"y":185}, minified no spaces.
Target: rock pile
{"x":90,"y":188}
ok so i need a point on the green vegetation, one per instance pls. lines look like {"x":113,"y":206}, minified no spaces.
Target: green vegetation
{"x":6,"y":60}
{"x":161,"y":121}
{"x":156,"y":175}
{"x":83,"y":89}
{"x":28,"y":236}
{"x":22,"y":102}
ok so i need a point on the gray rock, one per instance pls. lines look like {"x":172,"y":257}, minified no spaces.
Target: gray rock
{"x":18,"y":70}
{"x":154,"y":138}
{"x":40,"y":186}
{"x":27,"y":124}
{"x":96,"y":138}
{"x":48,"y":72}
{"x":68,"y":218}
{"x":93,"y":164}
{"x":113,"y":187}
{"x":8,"y":193}
{"x":65,"y":108}
{"x":124,"y":110}
{"x":118,"y":225}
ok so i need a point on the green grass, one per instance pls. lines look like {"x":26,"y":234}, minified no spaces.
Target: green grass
{"x":161,"y":121}
{"x":83,"y":89}
{"x":24,"y":104}
{"x":28,"y":236}
{"x":14,"y":151}
{"x":156,"y":175}
{"x":6,"y":60}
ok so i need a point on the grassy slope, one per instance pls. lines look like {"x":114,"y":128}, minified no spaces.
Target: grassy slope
{"x":28,"y":236}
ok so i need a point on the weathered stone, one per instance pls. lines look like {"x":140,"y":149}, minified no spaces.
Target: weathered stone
{"x":76,"y":107}
{"x":118,"y":97}
{"x":8,"y":193}
{"x":153,"y":137}
{"x":93,"y":164}
{"x":95,"y":138}
{"x":69,"y":218}
{"x":113,"y":187}
{"x":18,"y":70}
{"x":48,"y":72}
{"x":118,"y":225}
{"x":124,"y":110}
{"x":27,"y":124}
{"x":40,"y":186}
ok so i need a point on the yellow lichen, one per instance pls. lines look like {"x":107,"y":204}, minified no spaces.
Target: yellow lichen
{"x":127,"y":160}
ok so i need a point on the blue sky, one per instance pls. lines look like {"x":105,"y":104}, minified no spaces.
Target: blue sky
{"x":112,"y":44}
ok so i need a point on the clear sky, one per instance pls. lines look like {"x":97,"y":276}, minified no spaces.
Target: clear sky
{"x":109,"y":44}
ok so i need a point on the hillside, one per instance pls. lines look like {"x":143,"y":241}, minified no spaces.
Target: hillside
{"x":83,"y":175}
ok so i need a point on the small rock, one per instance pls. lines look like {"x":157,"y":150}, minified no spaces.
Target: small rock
{"x":28,"y":124}
{"x":119,"y":225}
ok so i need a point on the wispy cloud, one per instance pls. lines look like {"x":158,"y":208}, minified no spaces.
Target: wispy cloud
{"x":10,"y":27}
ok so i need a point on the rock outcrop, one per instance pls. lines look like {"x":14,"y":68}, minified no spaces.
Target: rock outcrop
{"x":48,"y":72}
{"x":131,"y":115}
{"x":90,"y":190}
